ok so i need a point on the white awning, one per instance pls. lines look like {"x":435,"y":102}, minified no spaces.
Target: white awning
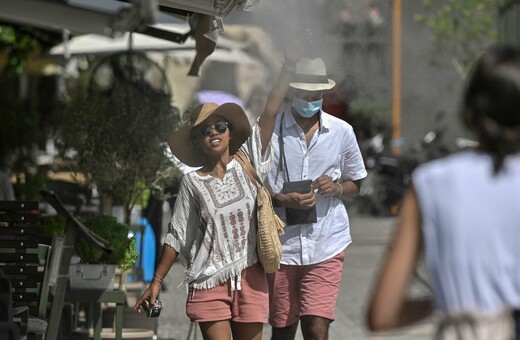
{"x":227,"y":50}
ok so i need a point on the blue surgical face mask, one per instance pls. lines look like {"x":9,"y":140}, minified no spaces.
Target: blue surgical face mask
{"x":306,"y":109}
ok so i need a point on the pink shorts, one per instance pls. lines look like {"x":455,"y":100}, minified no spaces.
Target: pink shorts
{"x":250,"y":304}
{"x":296,"y":291}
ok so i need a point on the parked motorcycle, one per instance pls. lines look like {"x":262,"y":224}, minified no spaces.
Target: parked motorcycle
{"x":389,"y":174}
{"x":386,"y":182}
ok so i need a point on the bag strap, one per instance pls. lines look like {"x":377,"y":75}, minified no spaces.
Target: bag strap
{"x":282,"y":161}
{"x":248,"y":167}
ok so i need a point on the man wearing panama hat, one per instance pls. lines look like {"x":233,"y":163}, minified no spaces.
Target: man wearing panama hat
{"x":316,"y":164}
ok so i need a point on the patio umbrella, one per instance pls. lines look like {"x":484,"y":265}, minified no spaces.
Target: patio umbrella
{"x":227,"y":50}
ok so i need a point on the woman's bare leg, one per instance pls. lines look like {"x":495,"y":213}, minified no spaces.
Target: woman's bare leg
{"x":216,"y":330}
{"x":247,"y":330}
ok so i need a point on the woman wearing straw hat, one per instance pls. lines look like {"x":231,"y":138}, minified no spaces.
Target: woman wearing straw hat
{"x":212,"y":230}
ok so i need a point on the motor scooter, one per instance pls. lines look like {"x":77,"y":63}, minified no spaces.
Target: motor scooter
{"x":389,"y":173}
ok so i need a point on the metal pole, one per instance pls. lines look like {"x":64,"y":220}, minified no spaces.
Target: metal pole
{"x":396,"y":55}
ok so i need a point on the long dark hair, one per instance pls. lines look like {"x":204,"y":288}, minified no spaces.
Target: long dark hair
{"x":491,"y":104}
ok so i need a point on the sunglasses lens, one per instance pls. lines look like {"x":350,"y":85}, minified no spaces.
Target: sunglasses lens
{"x":219,"y":127}
{"x":205,"y":131}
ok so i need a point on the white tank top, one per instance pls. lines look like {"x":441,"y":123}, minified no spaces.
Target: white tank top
{"x":471,"y":230}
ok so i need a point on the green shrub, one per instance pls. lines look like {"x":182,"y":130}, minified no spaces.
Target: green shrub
{"x":116,"y":234}
{"x":51,"y":225}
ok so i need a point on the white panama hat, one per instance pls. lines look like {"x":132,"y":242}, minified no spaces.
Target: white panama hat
{"x":311,"y":75}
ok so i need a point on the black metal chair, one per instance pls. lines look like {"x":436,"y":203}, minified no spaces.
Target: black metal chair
{"x":23,"y":261}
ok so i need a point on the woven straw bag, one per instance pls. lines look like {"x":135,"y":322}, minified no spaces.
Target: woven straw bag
{"x":270,"y":227}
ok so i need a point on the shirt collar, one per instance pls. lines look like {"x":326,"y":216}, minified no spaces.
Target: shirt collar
{"x":288,"y":119}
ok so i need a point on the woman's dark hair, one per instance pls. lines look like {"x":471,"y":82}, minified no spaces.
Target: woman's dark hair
{"x":491,"y":104}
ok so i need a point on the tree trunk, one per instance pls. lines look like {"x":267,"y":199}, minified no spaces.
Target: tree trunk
{"x":106,"y":204}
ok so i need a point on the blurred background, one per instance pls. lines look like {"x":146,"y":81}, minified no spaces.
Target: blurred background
{"x":90,"y":90}
{"x":398,"y":65}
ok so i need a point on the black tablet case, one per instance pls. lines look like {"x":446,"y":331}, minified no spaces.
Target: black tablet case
{"x":297,"y":216}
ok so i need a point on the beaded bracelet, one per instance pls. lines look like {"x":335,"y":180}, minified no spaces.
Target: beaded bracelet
{"x":158,"y":277}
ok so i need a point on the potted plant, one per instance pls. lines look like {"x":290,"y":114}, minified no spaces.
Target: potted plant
{"x":94,"y":269}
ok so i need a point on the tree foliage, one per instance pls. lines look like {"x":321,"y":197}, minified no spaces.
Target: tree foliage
{"x":461,"y":28}
{"x":19,"y":43}
{"x":20,"y":126}
{"x":117,"y":137}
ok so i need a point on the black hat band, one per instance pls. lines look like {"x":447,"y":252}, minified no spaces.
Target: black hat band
{"x":309,"y":78}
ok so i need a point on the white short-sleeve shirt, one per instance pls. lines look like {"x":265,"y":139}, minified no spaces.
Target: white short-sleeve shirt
{"x":333,"y":151}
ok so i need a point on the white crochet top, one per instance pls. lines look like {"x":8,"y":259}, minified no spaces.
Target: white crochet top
{"x":213,"y":226}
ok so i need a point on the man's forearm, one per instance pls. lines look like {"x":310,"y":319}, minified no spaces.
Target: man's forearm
{"x":350,"y":188}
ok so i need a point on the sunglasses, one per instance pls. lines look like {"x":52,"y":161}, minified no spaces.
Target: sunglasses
{"x":220,"y":127}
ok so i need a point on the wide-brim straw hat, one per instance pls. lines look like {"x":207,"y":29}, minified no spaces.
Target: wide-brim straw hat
{"x":181,"y":143}
{"x":311,"y":75}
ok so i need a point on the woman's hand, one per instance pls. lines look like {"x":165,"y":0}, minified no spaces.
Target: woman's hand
{"x":168,"y":257}
{"x":293,"y":51}
{"x":149,"y":294}
{"x":295,"y":47}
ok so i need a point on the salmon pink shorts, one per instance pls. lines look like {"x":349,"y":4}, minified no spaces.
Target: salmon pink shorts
{"x":249,"y":304}
{"x":297,"y":291}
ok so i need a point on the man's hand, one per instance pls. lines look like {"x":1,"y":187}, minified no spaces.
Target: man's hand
{"x":327,"y":187}
{"x":296,"y":200}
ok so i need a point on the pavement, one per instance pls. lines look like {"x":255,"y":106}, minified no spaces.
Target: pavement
{"x":363,"y":257}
